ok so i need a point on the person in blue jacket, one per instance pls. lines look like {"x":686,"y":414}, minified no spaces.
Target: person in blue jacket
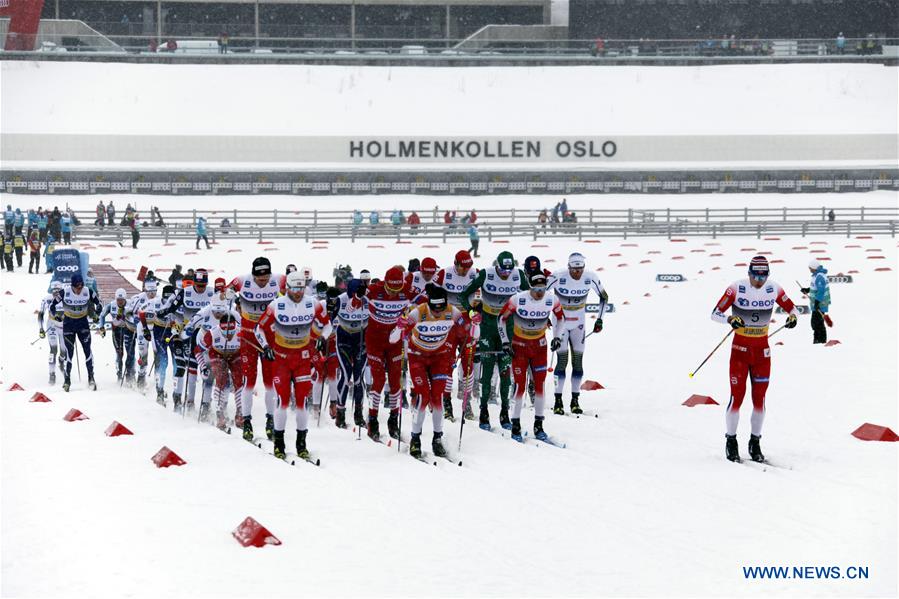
{"x":201,"y":232}
{"x":49,"y":248}
{"x":818,"y":293}
{"x":9,"y":218}
{"x":19,"y":221}
{"x":65,"y":226}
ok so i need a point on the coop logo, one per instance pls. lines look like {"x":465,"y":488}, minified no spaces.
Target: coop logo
{"x":67,"y":268}
{"x":594,"y":308}
{"x":672,"y":278}
{"x":800,"y":309}
{"x":839,"y":278}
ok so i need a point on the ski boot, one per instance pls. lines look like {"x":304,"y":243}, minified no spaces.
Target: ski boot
{"x":358,"y":419}
{"x":516,"y":430}
{"x":248,"y":429}
{"x":467,"y":412}
{"x":559,"y":407}
{"x":66,"y":384}
{"x":373,"y":431}
{"x":448,"y":407}
{"x":332,"y":410}
{"x":204,"y":412}
{"x":91,"y":383}
{"x":220,"y":422}
{"x":575,"y":406}
{"x":504,"y":418}
{"x":340,"y":420}
{"x":393,"y":426}
{"x":269,"y":427}
{"x":437,"y":445}
{"x":238,"y":419}
{"x":755,"y":448}
{"x":119,"y":377}
{"x":189,"y":407}
{"x":141,"y":382}
{"x":539,"y":434}
{"x":129,"y":379}
{"x":280,"y":452}
{"x":176,"y":398}
{"x":53,"y":378}
{"x":731,"y":449}
{"x":415,"y":445}
{"x":302,"y":452}
{"x":160,"y":396}
{"x":485,"y":419}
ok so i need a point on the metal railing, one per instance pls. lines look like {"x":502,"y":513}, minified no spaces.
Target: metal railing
{"x":264,"y":225}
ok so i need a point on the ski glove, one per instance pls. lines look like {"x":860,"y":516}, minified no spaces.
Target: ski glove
{"x":736,"y":322}
{"x":268,"y":354}
{"x":804,"y":290}
{"x":827,"y":320}
{"x":321,"y":344}
{"x":817,"y":306}
{"x":597,"y":326}
{"x":791,"y":321}
{"x":42,"y":334}
{"x":555,"y":344}
{"x":507,"y":349}
{"x":102,"y":331}
{"x":204,"y":372}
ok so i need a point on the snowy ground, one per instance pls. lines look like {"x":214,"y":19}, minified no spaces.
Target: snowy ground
{"x":641,"y":502}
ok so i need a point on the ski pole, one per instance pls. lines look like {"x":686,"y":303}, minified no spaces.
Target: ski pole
{"x":77,"y":359}
{"x":602,"y":309}
{"x":399,"y":434}
{"x":35,"y":341}
{"x":779,"y":329}
{"x":729,"y":333}
{"x":321,"y":396}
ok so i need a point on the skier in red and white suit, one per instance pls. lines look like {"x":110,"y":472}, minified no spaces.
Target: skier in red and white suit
{"x":751,"y":301}
{"x":288,"y":333}
{"x":434,"y":330}
{"x":387,"y":300}
{"x":531,"y":312}
{"x":454,"y":279}
{"x":419,"y":279}
{"x":222,"y":343}
{"x":256,"y":291}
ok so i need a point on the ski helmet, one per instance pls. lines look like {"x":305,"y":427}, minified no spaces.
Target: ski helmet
{"x":538,"y":279}
{"x":218,"y":306}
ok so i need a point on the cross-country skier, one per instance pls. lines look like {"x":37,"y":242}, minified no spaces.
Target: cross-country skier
{"x":350,"y":323}
{"x":205,"y":320}
{"x":418,"y":279}
{"x":79,"y":303}
{"x":290,"y":329}
{"x":221,"y":342}
{"x":530,"y":312}
{"x":155,"y":322}
{"x":387,"y":300}
{"x":751,"y":302}
{"x":194,"y":298}
{"x":53,"y":331}
{"x":497,"y":284}
{"x":138,"y":304}
{"x":122,"y":337}
{"x":434,"y":331}
{"x":454,"y":280}
{"x":256,"y":291}
{"x":326,"y":363}
{"x":572,"y":286}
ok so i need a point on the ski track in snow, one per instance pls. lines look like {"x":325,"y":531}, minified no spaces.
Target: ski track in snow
{"x":642,"y":502}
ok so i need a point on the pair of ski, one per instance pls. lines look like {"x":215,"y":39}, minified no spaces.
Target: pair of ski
{"x":425,"y":457}
{"x":507,"y":432}
{"x":291,"y":458}
{"x":764,"y":464}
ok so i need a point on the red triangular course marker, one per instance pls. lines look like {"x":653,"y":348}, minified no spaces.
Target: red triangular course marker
{"x":117,"y":428}
{"x":39,"y":398}
{"x":73,"y":415}
{"x":873,"y":432}
{"x":165,"y":457}
{"x":699,"y":400}
{"x":16,"y":387}
{"x":832,"y":342}
{"x":589,"y":385}
{"x":252,"y":534}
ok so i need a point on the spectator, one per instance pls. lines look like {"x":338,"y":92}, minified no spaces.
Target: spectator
{"x":34,"y":247}
{"x":8,"y":252}
{"x":472,"y":217}
{"x":223,"y":43}
{"x":90,"y":281}
{"x":474,"y":238}
{"x":599,"y":47}
{"x":43,"y":224}
{"x":32,"y":220}
{"x":9,"y":218}
{"x":447,"y":218}
{"x":154,"y":45}
{"x":201,"y":233}
{"x":357,"y":218}
{"x":414,"y":222}
{"x":19,"y":221}
{"x":374,"y":218}
{"x":841,"y":43}
{"x":101,"y":215}
{"x":65,"y":226}
{"x":158,"y":219}
{"x":176,"y":274}
{"x":131,"y":222}
{"x":395,"y":219}
{"x":171,"y":45}
{"x":19,"y":243}
{"x":225,"y":225}
{"x":831,"y":217}
{"x":818,"y":293}
{"x":110,"y":214}
{"x":542,"y":219}
{"x":55,"y":224}
{"x":49,"y":248}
